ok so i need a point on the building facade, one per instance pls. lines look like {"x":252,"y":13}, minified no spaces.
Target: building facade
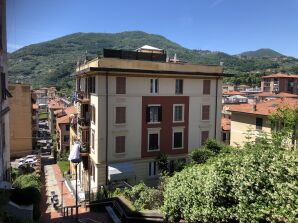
{"x":4,"y":94}
{"x":20,"y":120}
{"x":280,"y":83}
{"x":131,"y":110}
{"x":248,"y":120}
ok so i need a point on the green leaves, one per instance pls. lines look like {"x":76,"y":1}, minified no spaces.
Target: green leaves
{"x":251,"y":185}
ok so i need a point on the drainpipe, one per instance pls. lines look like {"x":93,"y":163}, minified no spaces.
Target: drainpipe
{"x":107,"y":126}
{"x":215,"y":115}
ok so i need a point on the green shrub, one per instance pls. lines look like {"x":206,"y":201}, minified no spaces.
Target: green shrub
{"x":213,"y":145}
{"x":252,"y":185}
{"x":28,"y":180}
{"x":201,"y":155}
{"x":150,"y":199}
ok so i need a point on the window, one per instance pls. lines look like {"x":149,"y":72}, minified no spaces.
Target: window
{"x":120,"y":85}
{"x":178,"y":139}
{"x":120,"y":144}
{"x":205,"y":112}
{"x":204,"y":136}
{"x":154,"y":114}
{"x":120,"y":115}
{"x":67,"y":127}
{"x":93,"y":115}
{"x":179,"y":87}
{"x":92,"y":139}
{"x":66,"y":138}
{"x":154,"y":86}
{"x":153,"y":141}
{"x":178,"y":115}
{"x":152,"y":169}
{"x":206,"y":86}
{"x":259,"y":123}
{"x":91,"y":84}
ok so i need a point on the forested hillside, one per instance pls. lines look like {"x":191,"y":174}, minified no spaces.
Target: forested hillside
{"x":52,"y":62}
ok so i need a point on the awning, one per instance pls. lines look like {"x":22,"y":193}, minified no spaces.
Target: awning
{"x":121,"y":171}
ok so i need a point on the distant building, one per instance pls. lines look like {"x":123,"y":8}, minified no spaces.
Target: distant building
{"x":4,"y":108}
{"x":62,"y":129}
{"x":250,"y":119}
{"x":41,"y":96}
{"x":280,"y":83}
{"x":225,"y":130}
{"x":132,"y":106}
{"x":228,"y":87}
{"x":20,"y":120}
{"x":54,"y":108}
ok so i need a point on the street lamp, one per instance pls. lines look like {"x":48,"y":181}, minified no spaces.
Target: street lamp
{"x":74,"y":157}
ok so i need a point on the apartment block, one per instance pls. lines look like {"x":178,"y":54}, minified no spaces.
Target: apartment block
{"x":4,"y":94}
{"x":134,"y":105}
{"x":248,"y":120}
{"x":20,"y":120}
{"x":280,"y":83}
{"x":63,"y":127}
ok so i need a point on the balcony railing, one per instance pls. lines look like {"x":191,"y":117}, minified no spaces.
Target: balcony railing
{"x":83,"y":122}
{"x":83,"y":97}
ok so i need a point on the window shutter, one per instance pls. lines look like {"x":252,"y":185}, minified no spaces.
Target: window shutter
{"x":120,"y":85}
{"x":120,"y":115}
{"x":120,"y":144}
{"x":151,"y":85}
{"x":148,"y":114}
{"x":204,"y":136}
{"x":159,"y":113}
{"x":206,"y":86}
{"x":205,"y":112}
{"x":156,"y":86}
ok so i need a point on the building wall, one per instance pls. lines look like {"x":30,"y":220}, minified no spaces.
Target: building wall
{"x":4,"y":108}
{"x":138,"y":88}
{"x":61,"y":132}
{"x":20,"y":120}
{"x":242,"y":123}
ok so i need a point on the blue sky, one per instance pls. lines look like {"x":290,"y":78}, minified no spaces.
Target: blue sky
{"x":231,"y":26}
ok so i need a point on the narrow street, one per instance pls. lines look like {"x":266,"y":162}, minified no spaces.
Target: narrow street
{"x":51,"y":181}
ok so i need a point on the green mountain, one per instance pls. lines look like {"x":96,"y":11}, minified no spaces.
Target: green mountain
{"x":261,"y":53}
{"x":51,"y":63}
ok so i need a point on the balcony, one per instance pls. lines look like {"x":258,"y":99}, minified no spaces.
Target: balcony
{"x":85,"y":149}
{"x":83,"y":97}
{"x":84,"y":122}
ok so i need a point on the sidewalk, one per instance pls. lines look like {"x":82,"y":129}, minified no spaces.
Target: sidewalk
{"x":52,"y":182}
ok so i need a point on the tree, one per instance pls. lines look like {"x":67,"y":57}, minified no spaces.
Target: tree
{"x":256,"y":184}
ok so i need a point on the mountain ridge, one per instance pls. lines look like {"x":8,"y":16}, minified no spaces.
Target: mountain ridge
{"x":51,"y":62}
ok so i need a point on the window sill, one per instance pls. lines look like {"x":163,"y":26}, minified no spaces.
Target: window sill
{"x":119,"y":155}
{"x":180,"y":148}
{"x":205,"y":120}
{"x":178,"y":121}
{"x":119,"y":124}
{"x":152,"y":123}
{"x":155,"y":150}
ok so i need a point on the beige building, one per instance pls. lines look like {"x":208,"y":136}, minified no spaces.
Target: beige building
{"x":4,"y":94}
{"x":248,"y":120}
{"x":132,"y":106}
{"x":280,"y":83}
{"x":20,"y":120}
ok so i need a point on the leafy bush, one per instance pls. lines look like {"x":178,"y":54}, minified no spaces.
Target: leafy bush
{"x":142,"y":196}
{"x":201,"y":155}
{"x":213,"y":145}
{"x":251,"y":185}
{"x":28,"y":180}
{"x":162,"y":162}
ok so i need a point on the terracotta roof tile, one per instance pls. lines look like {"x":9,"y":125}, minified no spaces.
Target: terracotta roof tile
{"x":279,"y":95}
{"x":225,"y":124}
{"x":264,"y":108}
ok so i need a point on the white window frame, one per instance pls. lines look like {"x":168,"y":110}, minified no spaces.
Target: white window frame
{"x":92,"y":139}
{"x":151,"y":166}
{"x":207,"y":120}
{"x":177,"y":130}
{"x":176,"y":105}
{"x":153,"y":131}
{"x":154,"y":83}
{"x":154,"y":105}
